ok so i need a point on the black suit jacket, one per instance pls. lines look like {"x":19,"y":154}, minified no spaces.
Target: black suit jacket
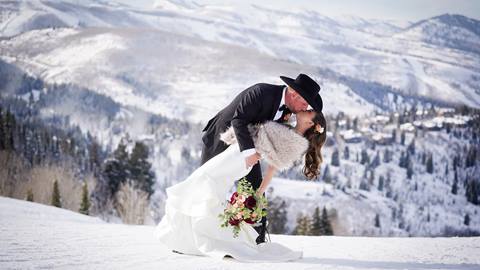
{"x":256,"y":104}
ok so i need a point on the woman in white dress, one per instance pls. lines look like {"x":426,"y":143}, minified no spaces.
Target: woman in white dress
{"x":191,"y":224}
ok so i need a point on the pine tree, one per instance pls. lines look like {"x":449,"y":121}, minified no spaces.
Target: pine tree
{"x":387,"y":155}
{"x":411,"y":147}
{"x":335,"y":158}
{"x":9,"y":131}
{"x":277,"y":215}
{"x":472,"y":190}
{"x":29,"y":195}
{"x":365,"y":159}
{"x":346,"y":153}
{"x":455,"y":185}
{"x":327,"y":176}
{"x":2,"y":130}
{"x":317,"y":222}
{"x":376,"y":161}
{"x":304,"y":225}
{"x":377,"y":220}
{"x":327,"y":227}
{"x":85,"y":204}
{"x":430,"y":164}
{"x":140,"y":168}
{"x":116,"y":169}
{"x":466,"y":220}
{"x":409,"y":167}
{"x":56,"y":199}
{"x":402,"y":138}
{"x":381,"y":181}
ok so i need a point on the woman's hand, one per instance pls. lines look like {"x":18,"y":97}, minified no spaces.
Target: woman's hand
{"x":252,"y":159}
{"x":260,"y":192}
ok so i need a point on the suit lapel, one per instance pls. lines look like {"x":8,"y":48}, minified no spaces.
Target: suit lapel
{"x":277,"y":98}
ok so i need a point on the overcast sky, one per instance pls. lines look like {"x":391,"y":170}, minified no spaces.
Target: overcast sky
{"x":405,"y":10}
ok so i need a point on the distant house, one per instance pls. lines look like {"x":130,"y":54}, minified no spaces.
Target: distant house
{"x":407,"y":127}
{"x":350,"y":136}
{"x":382,"y":138}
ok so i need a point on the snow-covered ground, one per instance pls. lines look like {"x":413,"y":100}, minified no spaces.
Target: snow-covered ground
{"x":35,"y":236}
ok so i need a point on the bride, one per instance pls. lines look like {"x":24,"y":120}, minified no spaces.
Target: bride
{"x":191,"y":224}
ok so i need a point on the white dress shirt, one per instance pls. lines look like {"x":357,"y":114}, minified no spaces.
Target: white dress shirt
{"x":251,"y":151}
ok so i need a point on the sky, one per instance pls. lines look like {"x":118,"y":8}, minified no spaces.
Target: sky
{"x":403,"y":10}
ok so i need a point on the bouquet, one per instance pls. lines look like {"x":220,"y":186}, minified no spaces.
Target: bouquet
{"x":244,"y":206}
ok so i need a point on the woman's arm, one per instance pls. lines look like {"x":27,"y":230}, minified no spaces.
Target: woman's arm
{"x":266,"y":180}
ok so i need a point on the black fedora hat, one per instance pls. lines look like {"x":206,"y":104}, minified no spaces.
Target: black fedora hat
{"x":307,"y":88}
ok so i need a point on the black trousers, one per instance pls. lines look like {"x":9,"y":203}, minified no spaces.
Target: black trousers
{"x":254,"y":177}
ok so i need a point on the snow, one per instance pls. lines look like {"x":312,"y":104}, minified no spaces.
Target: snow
{"x":36,"y":236}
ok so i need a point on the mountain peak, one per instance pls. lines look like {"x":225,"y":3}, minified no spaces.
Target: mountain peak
{"x":453,"y":20}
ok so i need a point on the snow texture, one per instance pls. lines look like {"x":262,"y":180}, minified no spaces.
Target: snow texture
{"x":35,"y":236}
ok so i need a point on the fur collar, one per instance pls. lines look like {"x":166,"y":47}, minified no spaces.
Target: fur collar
{"x":279,"y":144}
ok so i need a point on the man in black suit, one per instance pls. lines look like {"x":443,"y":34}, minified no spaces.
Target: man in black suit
{"x":257,"y":104}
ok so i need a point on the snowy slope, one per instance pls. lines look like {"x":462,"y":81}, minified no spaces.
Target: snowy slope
{"x":160,"y":72}
{"x":36,"y":236}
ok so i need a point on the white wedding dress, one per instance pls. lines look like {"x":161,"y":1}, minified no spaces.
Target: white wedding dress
{"x":191,"y":224}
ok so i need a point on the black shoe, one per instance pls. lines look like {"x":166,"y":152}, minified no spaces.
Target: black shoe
{"x":261,"y":231}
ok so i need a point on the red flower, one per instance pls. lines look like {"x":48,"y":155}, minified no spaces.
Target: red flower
{"x":250,"y":202}
{"x":233,"y":198}
{"x":249,"y":221}
{"x":234,"y":222}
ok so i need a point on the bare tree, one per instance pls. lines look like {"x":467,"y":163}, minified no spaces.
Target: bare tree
{"x":131,"y":203}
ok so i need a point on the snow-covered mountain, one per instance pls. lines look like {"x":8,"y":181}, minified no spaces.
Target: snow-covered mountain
{"x":39,"y":236}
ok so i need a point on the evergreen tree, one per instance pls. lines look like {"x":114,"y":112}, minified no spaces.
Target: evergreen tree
{"x":381,"y":181}
{"x":277,"y":215}
{"x":327,"y":176}
{"x":335,"y":158}
{"x":402,"y":138}
{"x":56,"y":199}
{"x":472,"y":190}
{"x":365,"y":159}
{"x":140,"y":168}
{"x":346,"y":153}
{"x":116,"y":169}
{"x":409,"y":167}
{"x":29,"y":195}
{"x":403,"y":160}
{"x":9,"y":131}
{"x":377,"y":220}
{"x":387,"y":155}
{"x":85,"y":204}
{"x":2,"y":130}
{"x":304,"y":225}
{"x":430,"y":164}
{"x":455,"y":185}
{"x":376,"y":161}
{"x":316,"y":222}
{"x":411,"y":147}
{"x":466,"y":219}
{"x":327,"y":227}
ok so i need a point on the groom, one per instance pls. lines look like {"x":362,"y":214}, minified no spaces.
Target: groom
{"x":257,"y":104}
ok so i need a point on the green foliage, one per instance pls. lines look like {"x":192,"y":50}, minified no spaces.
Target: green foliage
{"x":56,"y":199}
{"x":85,"y":204}
{"x":29,"y":195}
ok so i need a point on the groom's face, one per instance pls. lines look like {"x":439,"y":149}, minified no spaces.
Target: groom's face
{"x":295,"y":102}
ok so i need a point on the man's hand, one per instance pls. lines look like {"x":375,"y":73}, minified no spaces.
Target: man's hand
{"x":259,"y":192}
{"x":252,"y":160}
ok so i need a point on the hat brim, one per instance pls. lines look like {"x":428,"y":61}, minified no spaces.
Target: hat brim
{"x":315,"y":101}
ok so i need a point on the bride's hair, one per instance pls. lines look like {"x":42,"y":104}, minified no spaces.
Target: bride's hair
{"x":316,"y":137}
